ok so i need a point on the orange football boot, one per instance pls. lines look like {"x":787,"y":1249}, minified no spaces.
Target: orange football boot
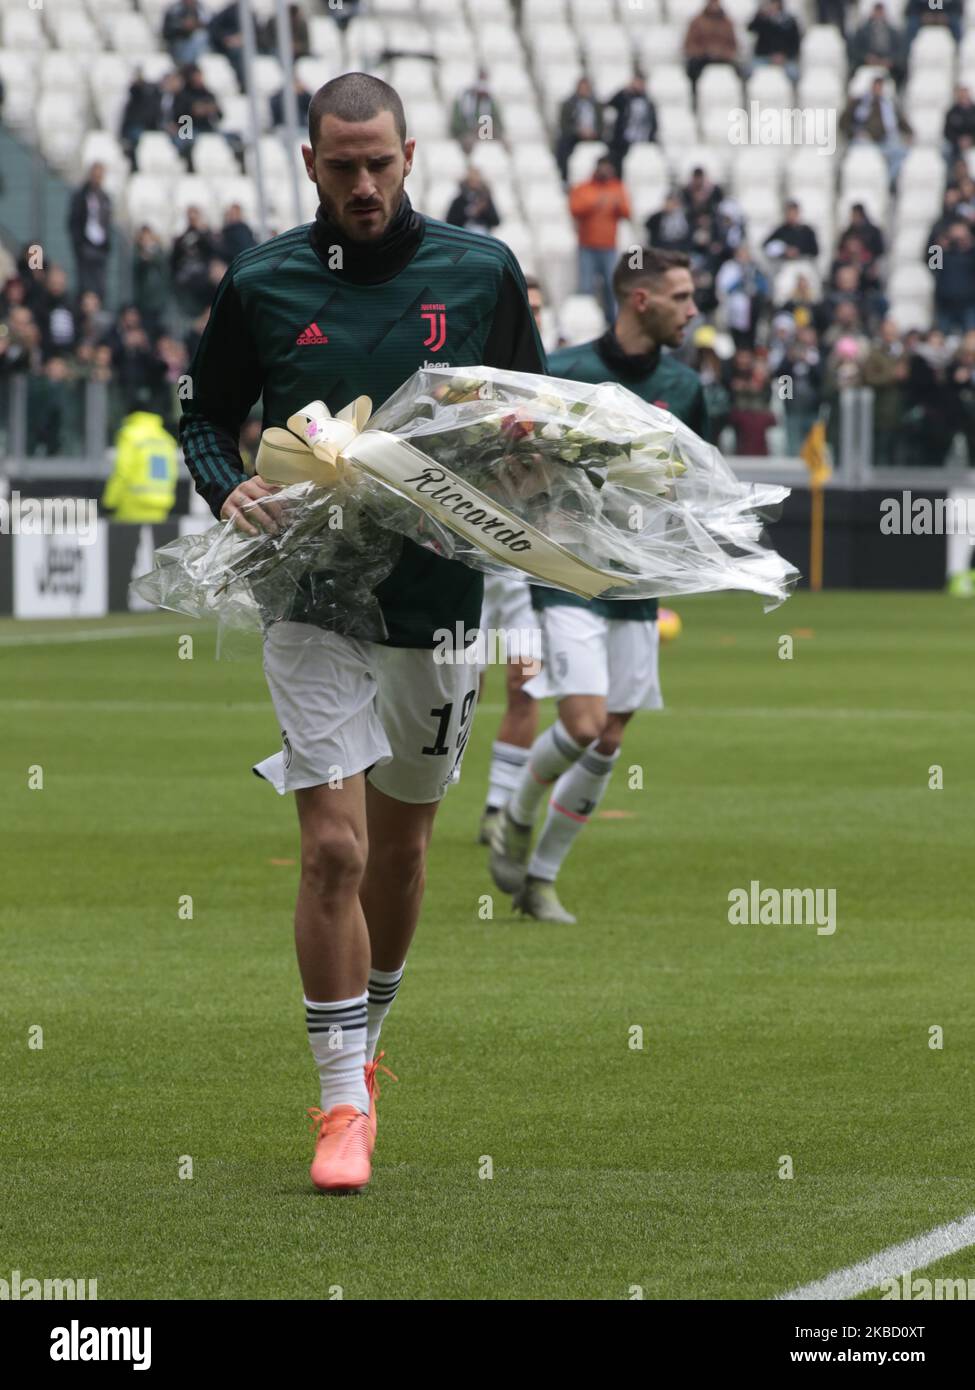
{"x":372,"y":1086}
{"x":343,"y":1149}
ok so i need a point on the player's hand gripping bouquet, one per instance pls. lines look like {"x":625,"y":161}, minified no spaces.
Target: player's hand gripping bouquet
{"x":584,"y":488}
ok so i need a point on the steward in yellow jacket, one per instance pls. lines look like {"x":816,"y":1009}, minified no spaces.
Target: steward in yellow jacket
{"x":142,"y":487}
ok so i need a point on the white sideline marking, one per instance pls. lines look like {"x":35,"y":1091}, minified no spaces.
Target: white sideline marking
{"x":89,"y":634}
{"x":888,"y":1264}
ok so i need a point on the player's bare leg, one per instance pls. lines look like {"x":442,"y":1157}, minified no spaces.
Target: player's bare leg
{"x":330,"y":932}
{"x":391,"y":892}
{"x":515,"y":736}
{"x":333,"y":958}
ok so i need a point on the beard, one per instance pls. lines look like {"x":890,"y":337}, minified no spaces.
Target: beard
{"x":341,"y":216}
{"x":662,"y":330}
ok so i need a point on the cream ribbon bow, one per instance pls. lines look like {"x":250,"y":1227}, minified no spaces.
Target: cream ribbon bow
{"x":319,"y":447}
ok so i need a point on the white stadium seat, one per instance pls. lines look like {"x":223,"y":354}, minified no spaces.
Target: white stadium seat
{"x":919,"y":171}
{"x":427,"y":120}
{"x":558,"y":256}
{"x":544,"y":10}
{"x":533,"y":161}
{"x":660,"y":43}
{"x":74,"y":32}
{"x":542,"y":201}
{"x":875,"y":201}
{"x":587,"y":12}
{"x":933,"y":51}
{"x":769,"y":86}
{"x":646,"y":199}
{"x":155,"y":153}
{"x":606,"y":43}
{"x":519,"y":237}
{"x":756,"y":166}
{"x":910,"y":282}
{"x":669,"y":85}
{"x":719,"y":86}
{"x":636,"y":16}
{"x":582,"y":160}
{"x":449,"y":43}
{"x":218,"y":75}
{"x":928,"y":124}
{"x":911,"y":313}
{"x":715,"y":126}
{"x":236,"y":118}
{"x":921,"y":92}
{"x":22,"y":29}
{"x":492,"y":159}
{"x":127,"y":32}
{"x":497,"y":43}
{"x":101,"y":147}
{"x":677,"y":127}
{"x":191,"y":190}
{"x":823,"y":46}
{"x":152,"y":65}
{"x":580,"y":319}
{"x":909,"y":245}
{"x":447,"y":158}
{"x":438,"y":197}
{"x":864,"y":166}
{"x":315,"y":72}
{"x":237,"y":188}
{"x":645,"y":163}
{"x":821,"y":87}
{"x":212,"y":156}
{"x":268,"y":74}
{"x":760,"y":205}
{"x":148,"y":201}
{"x":809,"y":168}
{"x":524,"y":122}
{"x":715,"y":160}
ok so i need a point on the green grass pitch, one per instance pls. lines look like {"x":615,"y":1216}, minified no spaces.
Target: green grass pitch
{"x":614,"y":1168}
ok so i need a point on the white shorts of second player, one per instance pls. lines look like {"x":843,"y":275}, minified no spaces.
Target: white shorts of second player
{"x":508,"y":610}
{"x":345,"y":706}
{"x":585,"y":654}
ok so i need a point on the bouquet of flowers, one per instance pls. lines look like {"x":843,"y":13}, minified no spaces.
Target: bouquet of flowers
{"x":581,"y":487}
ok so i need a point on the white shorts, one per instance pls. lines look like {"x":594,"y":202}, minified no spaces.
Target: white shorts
{"x":345,"y":706}
{"x":585,"y":654}
{"x":508,"y":609}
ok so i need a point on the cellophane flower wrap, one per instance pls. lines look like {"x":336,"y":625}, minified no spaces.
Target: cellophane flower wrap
{"x":638,"y":503}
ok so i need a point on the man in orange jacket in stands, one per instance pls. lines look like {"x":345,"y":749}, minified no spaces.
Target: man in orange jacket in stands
{"x":598,"y":208}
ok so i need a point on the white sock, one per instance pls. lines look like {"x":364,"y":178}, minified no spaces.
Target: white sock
{"x":383,"y":985}
{"x":577,"y":794}
{"x":337,"y":1033}
{"x":507,"y":764}
{"x":551,"y":753}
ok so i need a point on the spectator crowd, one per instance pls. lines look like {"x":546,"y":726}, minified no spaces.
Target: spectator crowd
{"x":772,"y":312}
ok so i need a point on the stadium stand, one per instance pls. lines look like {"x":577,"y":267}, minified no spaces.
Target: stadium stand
{"x":882,"y":149}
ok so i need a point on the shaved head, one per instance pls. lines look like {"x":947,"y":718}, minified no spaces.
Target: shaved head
{"x":354,"y":98}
